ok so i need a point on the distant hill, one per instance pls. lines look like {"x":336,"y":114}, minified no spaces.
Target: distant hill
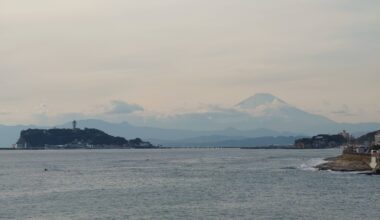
{"x":10,"y":134}
{"x":74,"y":138}
{"x":321,"y":141}
{"x":260,"y":111}
{"x":261,"y":115}
{"x":127,"y":130}
{"x":223,"y":141}
{"x":329,"y":141}
{"x":169,"y":137}
{"x":367,"y":138}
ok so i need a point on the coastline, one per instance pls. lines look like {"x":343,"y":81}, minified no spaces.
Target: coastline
{"x":346,"y":163}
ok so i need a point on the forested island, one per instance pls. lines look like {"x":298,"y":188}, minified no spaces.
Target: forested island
{"x":59,"y":138}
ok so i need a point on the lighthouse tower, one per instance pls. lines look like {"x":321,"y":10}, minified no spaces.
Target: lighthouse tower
{"x":74,"y":125}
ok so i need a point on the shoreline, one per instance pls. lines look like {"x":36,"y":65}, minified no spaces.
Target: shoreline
{"x":346,"y":163}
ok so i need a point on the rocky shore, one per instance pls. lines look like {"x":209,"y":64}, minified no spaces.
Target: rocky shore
{"x":347,"y":163}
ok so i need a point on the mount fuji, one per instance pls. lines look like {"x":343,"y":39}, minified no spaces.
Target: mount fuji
{"x":260,"y":99}
{"x":274,"y":113}
{"x":256,"y":112}
{"x":260,"y":111}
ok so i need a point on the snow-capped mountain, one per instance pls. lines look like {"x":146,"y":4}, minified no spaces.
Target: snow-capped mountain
{"x":264,"y":104}
{"x":268,"y":106}
{"x":274,"y":113}
{"x":260,"y":99}
{"x":258,"y":111}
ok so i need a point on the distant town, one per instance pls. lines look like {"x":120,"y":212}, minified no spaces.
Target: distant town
{"x":358,"y":154}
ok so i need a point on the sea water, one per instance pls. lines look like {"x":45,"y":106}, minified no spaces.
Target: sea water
{"x":181,"y":184}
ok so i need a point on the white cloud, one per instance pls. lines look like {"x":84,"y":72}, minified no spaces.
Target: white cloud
{"x":344,"y":110}
{"x":121,"y":107}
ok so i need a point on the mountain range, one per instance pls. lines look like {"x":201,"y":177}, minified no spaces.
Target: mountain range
{"x":261,"y":111}
{"x":261,"y":115}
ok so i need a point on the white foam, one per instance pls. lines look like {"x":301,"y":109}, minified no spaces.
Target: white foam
{"x":312,"y":163}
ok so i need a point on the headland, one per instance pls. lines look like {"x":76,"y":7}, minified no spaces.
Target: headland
{"x":361,"y":154}
{"x":75,"y":138}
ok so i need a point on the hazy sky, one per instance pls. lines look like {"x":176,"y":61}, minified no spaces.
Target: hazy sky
{"x":168,"y":56}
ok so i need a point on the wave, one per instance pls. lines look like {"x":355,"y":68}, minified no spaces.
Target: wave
{"x":312,"y":163}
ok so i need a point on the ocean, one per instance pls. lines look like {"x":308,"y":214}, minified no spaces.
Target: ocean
{"x":181,"y":184}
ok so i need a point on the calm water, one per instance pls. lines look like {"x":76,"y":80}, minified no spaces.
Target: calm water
{"x":181,"y":184}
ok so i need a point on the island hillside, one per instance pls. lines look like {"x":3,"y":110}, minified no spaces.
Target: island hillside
{"x":74,"y":138}
{"x":321,"y":141}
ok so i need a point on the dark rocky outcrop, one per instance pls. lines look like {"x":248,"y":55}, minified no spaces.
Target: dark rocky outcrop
{"x":356,"y":155}
{"x":347,"y":163}
{"x":75,"y":138}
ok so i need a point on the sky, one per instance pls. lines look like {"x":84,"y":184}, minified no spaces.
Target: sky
{"x":86,"y":58}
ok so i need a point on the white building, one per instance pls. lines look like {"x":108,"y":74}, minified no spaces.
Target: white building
{"x":360,"y":149}
{"x":345,"y":134}
{"x":377,"y":138}
{"x":375,"y":159}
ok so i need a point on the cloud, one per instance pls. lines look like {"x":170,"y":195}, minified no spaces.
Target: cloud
{"x":121,"y":107}
{"x":344,"y":111}
{"x":46,"y":119}
{"x":42,"y":109}
{"x":114,"y":111}
{"x":70,"y":116}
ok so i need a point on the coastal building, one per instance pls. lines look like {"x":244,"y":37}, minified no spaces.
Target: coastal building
{"x":361,"y":149}
{"x":21,"y":145}
{"x":346,"y":135}
{"x":377,"y":138}
{"x":375,"y":159}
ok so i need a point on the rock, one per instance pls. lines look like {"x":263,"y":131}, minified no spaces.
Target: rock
{"x":346,"y":163}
